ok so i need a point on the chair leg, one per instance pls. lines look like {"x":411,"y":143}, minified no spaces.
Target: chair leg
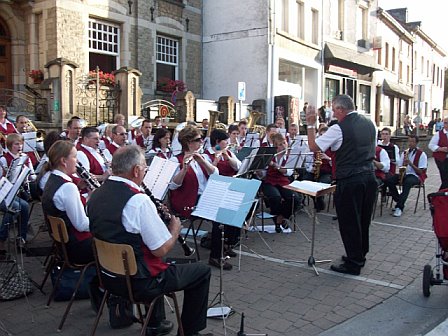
{"x":178,"y":317}
{"x":56,"y":284}
{"x":148,"y":316}
{"x":100,"y":312}
{"x":424,"y":197}
{"x":416,"y":202}
{"x":48,"y":268}
{"x":69,"y":306}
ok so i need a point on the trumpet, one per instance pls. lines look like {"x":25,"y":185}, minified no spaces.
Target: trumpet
{"x":165,"y":215}
{"x":402,"y":169}
{"x":92,"y":182}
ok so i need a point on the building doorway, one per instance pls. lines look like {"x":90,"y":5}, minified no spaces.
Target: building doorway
{"x":5,"y":57}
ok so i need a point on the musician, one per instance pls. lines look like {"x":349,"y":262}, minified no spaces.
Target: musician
{"x":120,"y":213}
{"x":271,"y":129}
{"x":280,"y":123}
{"x":43,"y":171}
{"x":22,"y":124}
{"x":144,"y":139}
{"x":106,"y":138}
{"x":204,"y":124}
{"x":439,"y":146}
{"x":119,"y":136}
{"x":242,"y":128}
{"x":90,"y":157}
{"x":281,"y":200}
{"x":191,"y":177}
{"x":64,"y":133}
{"x":353,"y":139}
{"x":233,"y":138}
{"x":293,"y":134}
{"x":158,"y":122}
{"x":6,"y":127}
{"x":382,"y":164}
{"x":61,"y":199}
{"x":416,"y":163}
{"x":161,"y":144}
{"x":14,"y":147}
{"x":228,"y":164}
{"x":74,"y":128}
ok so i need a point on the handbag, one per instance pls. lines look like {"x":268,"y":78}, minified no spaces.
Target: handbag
{"x":15,"y":285}
{"x":121,"y":314}
{"x":68,"y":281}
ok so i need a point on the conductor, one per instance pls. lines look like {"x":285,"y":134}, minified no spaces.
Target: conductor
{"x":120,"y":213}
{"x":353,"y":140}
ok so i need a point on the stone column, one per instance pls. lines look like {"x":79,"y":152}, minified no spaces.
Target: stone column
{"x":226,"y":104}
{"x":130,"y":96}
{"x":185,"y":106}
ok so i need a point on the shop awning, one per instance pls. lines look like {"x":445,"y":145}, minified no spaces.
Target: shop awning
{"x":349,"y":56}
{"x":397,"y":89}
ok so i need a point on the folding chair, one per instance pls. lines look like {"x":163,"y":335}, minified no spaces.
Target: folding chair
{"x":119,"y":259}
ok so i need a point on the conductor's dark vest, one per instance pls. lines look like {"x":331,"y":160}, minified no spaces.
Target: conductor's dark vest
{"x":357,"y":151}
{"x":51,"y":187}
{"x":105,"y":214}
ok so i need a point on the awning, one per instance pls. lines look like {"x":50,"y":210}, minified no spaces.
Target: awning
{"x":350,"y":57}
{"x":397,"y":89}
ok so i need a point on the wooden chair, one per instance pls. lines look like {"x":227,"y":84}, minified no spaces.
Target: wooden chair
{"x":119,"y":259}
{"x":60,"y":237}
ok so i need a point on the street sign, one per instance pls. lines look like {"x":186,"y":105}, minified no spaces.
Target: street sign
{"x":242,"y":91}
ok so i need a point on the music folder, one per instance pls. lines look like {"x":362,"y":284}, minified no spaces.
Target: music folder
{"x":159,"y":175}
{"x":258,"y":159}
{"x":227,"y":200}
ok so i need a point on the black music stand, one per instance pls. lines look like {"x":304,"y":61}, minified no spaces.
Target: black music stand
{"x":315,"y":189}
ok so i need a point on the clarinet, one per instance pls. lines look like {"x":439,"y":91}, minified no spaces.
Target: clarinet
{"x":92,"y":182}
{"x":166,"y":218}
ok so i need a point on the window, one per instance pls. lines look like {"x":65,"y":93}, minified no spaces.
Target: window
{"x":379,"y":54}
{"x":427,"y":68}
{"x":289,"y":72}
{"x":423,"y":65}
{"x":300,"y":20}
{"x":341,"y":11}
{"x":364,"y":98}
{"x":315,"y":26}
{"x":104,"y":45}
{"x":361,"y":23}
{"x":167,"y":58}
{"x":285,"y":16}
{"x":415,"y":60}
{"x":400,"y":70}
{"x":408,"y":74}
{"x":393,"y":59}
{"x":331,"y":88}
{"x":386,"y":57}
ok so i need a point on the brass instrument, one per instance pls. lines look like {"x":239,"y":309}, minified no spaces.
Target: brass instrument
{"x":317,"y":164}
{"x":213,"y":119}
{"x":40,"y":133}
{"x":165,"y":215}
{"x":253,"y":118}
{"x":402,"y":169}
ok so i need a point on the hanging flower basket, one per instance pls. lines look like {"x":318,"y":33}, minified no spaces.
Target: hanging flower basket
{"x":105,"y":78}
{"x":36,"y":75}
{"x":169,"y":85}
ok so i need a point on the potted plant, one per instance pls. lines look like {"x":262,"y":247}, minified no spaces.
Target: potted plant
{"x":36,"y":75}
{"x":105,"y":78}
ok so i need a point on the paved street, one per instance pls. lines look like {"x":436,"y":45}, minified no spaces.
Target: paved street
{"x":287,"y":298}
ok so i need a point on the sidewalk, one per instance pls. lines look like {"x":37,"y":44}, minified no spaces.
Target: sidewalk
{"x":285,"y":298}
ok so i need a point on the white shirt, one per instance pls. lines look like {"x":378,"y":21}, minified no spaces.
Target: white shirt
{"x":422,"y":163}
{"x":237,"y":163}
{"x":433,"y":144}
{"x":396,"y":149}
{"x":67,"y":199}
{"x":384,"y":160}
{"x":82,"y":157}
{"x":4,"y":166}
{"x":140,"y":217}
{"x":44,"y":179}
{"x":280,"y":161}
{"x":107,"y":152}
{"x":165,"y":152}
{"x":202,"y":179}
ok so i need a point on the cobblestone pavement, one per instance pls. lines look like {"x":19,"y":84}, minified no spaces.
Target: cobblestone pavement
{"x":277,"y":297}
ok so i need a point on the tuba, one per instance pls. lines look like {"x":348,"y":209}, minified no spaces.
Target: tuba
{"x":253,"y":118}
{"x":213,"y":119}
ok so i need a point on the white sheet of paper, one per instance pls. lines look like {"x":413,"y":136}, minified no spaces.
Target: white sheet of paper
{"x":29,"y":141}
{"x":159,"y":175}
{"x":5,"y":187}
{"x":16,"y":186}
{"x":310,"y":186}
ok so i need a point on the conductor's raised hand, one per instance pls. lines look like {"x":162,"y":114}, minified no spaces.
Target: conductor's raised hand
{"x":311,"y":115}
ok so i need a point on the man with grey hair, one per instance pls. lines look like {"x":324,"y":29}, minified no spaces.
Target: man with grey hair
{"x":120,"y":213}
{"x":353,"y":140}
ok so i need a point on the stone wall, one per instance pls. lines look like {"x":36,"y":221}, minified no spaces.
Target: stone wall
{"x":71,"y":33}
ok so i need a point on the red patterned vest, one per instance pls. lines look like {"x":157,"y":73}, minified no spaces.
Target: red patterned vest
{"x":378,"y":172}
{"x":224,"y":166}
{"x":95,"y":166}
{"x":422,"y":177}
{"x":443,"y":142}
{"x":274,"y":177}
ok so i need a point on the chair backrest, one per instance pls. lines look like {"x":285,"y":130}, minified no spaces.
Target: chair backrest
{"x":116,"y":258}
{"x":58,"y":229}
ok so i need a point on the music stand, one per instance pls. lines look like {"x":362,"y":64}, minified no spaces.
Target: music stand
{"x":315,"y":189}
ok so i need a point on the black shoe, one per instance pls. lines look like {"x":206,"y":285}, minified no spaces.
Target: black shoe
{"x":346,"y":269}
{"x":278,"y":229}
{"x":229,"y":252}
{"x":163,"y":328}
{"x":361,"y":263}
{"x":285,"y":224}
{"x":215,"y":262}
{"x":3,"y":255}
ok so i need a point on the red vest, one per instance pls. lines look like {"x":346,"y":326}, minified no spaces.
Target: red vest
{"x":332,"y":155}
{"x":32,"y":158}
{"x":325,"y":167}
{"x":378,"y":172}
{"x":224,"y":166}
{"x":95,"y":166}
{"x":443,"y":142}
{"x":8,"y":130}
{"x":184,"y":198}
{"x":140,"y":142}
{"x":111,"y":148}
{"x":8,"y":156}
{"x":106,"y":141}
{"x":274,"y":177}
{"x":422,"y":177}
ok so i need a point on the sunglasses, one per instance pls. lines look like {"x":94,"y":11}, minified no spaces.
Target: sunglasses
{"x":197,"y":140}
{"x":121,"y":134}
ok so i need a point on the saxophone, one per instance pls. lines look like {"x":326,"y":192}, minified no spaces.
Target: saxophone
{"x":317,"y":164}
{"x":402,"y":169}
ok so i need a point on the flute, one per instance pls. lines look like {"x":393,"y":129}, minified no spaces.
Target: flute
{"x":166,"y":218}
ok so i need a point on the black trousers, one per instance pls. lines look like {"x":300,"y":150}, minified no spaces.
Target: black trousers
{"x":193,"y":279}
{"x":408,"y":182}
{"x":354,"y":199}
{"x":443,"y":171}
{"x":231,"y":235}
{"x":275,"y":194}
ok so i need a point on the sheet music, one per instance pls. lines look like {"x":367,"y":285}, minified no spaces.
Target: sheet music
{"x":16,"y":168}
{"x":16,"y":186}
{"x":29,"y":142}
{"x":310,"y":186}
{"x":5,"y":187}
{"x":252,"y":140}
{"x":247,"y":162}
{"x":218,"y":195}
{"x":159,"y":175}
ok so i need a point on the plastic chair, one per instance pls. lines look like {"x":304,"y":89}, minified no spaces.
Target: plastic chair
{"x":119,"y":259}
{"x":60,"y":237}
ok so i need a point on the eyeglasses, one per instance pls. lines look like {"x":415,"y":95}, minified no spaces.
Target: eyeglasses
{"x":122,"y":134}
{"x":197,"y":140}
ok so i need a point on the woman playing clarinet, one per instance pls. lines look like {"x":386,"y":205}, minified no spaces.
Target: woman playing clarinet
{"x":161,"y":144}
